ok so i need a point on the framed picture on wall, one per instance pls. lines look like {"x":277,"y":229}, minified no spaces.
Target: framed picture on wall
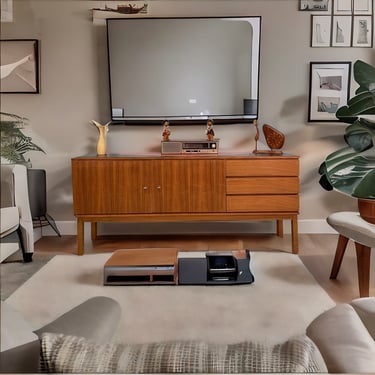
{"x":341,"y":7}
{"x":362,"y":31}
{"x":329,"y":89}
{"x":362,"y":6}
{"x":321,"y":31}
{"x":315,"y":5}
{"x":6,"y":7}
{"x":341,"y":31}
{"x":19,"y":66}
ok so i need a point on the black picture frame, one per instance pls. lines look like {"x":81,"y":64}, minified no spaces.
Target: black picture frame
{"x":314,"y":5}
{"x":321,"y":28}
{"x":363,"y":31}
{"x":329,"y":89}
{"x":19,"y":66}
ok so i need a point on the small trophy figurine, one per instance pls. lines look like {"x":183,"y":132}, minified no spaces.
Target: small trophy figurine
{"x":166,"y":131}
{"x":210,"y":130}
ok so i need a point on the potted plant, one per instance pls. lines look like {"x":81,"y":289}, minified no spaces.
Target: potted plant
{"x":14,"y":143}
{"x":351,"y":170}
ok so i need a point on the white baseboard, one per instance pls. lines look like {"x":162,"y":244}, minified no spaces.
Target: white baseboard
{"x":304,"y":226}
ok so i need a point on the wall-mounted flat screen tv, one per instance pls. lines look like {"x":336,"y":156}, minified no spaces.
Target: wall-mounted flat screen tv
{"x":185,"y":70}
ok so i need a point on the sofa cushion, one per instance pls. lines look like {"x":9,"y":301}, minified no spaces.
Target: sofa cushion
{"x":343,"y":340}
{"x":74,"y":354}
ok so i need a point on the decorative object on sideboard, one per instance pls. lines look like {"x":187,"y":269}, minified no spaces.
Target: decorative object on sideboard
{"x":275,"y":139}
{"x":166,"y":131}
{"x":210,"y":130}
{"x":101,"y":147}
{"x":14,"y":143}
{"x":351,"y":170}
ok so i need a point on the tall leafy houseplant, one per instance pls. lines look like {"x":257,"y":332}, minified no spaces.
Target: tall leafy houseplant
{"x":351,"y":170}
{"x":14,"y":143}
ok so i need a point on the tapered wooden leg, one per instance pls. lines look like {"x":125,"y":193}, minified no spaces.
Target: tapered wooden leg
{"x":340,"y":251}
{"x":363,"y":267}
{"x":294,"y":223}
{"x":94,"y":231}
{"x":80,"y":236}
{"x":279,"y":228}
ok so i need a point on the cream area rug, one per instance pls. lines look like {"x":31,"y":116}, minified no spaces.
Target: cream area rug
{"x":281,"y":302}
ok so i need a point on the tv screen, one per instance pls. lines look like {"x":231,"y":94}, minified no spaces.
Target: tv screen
{"x":185,"y":70}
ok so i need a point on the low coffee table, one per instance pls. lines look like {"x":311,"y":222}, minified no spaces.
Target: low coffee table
{"x":142,"y":267}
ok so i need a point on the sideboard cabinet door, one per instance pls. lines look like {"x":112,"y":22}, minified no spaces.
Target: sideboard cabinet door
{"x":207,"y":186}
{"x":136,"y":186}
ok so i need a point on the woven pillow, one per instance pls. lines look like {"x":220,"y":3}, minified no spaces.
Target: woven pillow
{"x":71,"y":354}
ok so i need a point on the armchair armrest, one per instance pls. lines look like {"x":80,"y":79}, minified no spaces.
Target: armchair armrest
{"x":95,"y":319}
{"x":365,"y":308}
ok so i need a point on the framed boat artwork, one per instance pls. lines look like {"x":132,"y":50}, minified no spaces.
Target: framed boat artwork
{"x":19,"y":66}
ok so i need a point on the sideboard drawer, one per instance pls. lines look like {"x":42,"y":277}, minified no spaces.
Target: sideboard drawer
{"x":262,"y":203}
{"x":262,"y":185}
{"x":263,"y":167}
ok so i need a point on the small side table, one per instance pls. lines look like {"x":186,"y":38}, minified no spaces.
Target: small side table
{"x":37,"y":186}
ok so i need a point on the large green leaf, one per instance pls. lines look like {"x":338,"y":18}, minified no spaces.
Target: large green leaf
{"x":364,"y":75}
{"x":350,"y":172}
{"x":360,"y":135}
{"x":361,"y":104}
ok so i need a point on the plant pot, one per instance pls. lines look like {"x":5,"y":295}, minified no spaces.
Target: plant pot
{"x":366,"y":209}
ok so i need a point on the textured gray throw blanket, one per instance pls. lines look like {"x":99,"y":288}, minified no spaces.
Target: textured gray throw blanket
{"x":70,"y":354}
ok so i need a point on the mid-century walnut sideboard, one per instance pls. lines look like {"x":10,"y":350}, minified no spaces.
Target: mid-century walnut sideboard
{"x":185,"y":188}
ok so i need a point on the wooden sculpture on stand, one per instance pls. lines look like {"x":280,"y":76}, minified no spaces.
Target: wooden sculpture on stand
{"x":275,"y":139}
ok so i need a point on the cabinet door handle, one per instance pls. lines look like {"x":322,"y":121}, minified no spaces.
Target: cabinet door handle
{"x":158,"y":187}
{"x":145,"y":187}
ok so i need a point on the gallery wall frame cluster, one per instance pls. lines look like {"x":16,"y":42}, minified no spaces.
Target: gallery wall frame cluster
{"x":340,"y":23}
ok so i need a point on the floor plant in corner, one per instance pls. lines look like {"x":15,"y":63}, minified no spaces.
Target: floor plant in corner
{"x":14,"y":143}
{"x":351,"y":170}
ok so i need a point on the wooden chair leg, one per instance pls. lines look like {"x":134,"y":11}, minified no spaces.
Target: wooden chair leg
{"x":363,"y":267}
{"x":340,"y":251}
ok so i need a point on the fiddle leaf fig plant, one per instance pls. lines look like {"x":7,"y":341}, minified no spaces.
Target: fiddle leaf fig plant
{"x":351,"y":170}
{"x":14,"y":143}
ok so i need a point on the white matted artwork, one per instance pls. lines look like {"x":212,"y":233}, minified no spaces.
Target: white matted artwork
{"x":320,"y":31}
{"x":329,"y":89}
{"x":6,"y":11}
{"x":19,"y":66}
{"x":341,"y":7}
{"x":341,"y":31}
{"x":362,"y":31}
{"x":362,"y":6}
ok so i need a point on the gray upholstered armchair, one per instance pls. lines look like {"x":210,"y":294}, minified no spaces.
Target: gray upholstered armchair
{"x":15,"y":213}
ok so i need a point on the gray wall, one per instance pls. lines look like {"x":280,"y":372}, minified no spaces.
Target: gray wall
{"x":74,"y":90}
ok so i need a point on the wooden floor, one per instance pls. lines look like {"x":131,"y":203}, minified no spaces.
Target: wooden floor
{"x":316,"y":252}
